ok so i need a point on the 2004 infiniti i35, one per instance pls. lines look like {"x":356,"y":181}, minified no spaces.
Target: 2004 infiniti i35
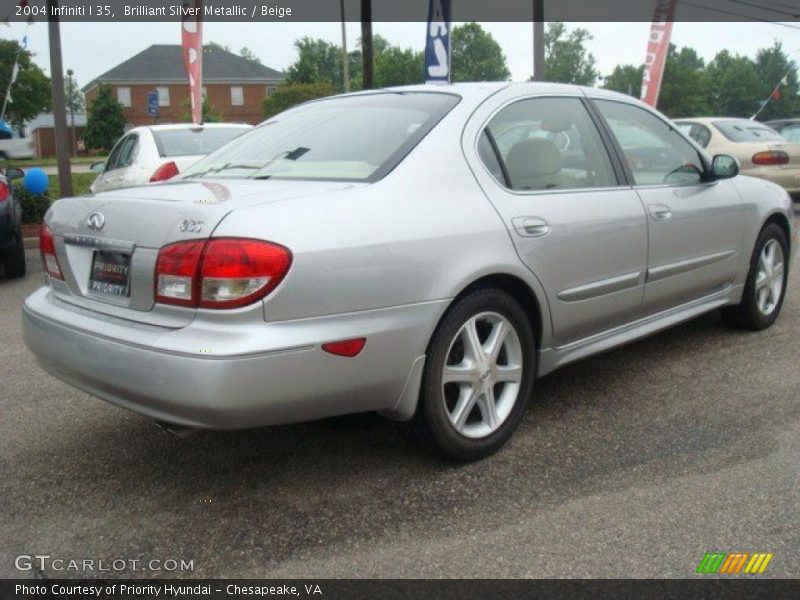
{"x":424,"y":252}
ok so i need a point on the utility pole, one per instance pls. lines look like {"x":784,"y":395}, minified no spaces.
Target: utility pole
{"x":345,"y":57}
{"x":538,"y":40}
{"x":366,"y":44}
{"x":70,"y":97}
{"x":59,"y":105}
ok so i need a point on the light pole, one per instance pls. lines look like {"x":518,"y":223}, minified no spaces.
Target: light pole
{"x":345,"y":58}
{"x":366,"y":44}
{"x":59,"y":106}
{"x":70,"y":98}
{"x":538,"y":40}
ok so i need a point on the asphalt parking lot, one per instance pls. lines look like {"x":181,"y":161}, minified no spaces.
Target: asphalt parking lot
{"x":631,"y":464}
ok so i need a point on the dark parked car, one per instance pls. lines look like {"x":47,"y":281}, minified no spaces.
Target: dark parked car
{"x":12,"y":249}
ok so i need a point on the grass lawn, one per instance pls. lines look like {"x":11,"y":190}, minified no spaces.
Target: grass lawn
{"x":80,"y":184}
{"x":50,"y":162}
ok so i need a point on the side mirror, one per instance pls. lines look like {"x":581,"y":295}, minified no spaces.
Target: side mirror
{"x":14,"y":173}
{"x":98,"y":167}
{"x":724,"y":166}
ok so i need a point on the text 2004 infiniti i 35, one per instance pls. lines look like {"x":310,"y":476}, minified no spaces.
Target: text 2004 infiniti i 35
{"x":424,"y":252}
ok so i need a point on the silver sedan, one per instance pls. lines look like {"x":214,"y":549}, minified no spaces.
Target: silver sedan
{"x":423,"y":252}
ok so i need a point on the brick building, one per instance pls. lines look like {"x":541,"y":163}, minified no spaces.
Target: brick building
{"x":235,"y":86}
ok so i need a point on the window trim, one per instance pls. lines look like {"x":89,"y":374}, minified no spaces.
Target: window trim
{"x":619,"y":174}
{"x":130,"y":96}
{"x":704,"y":159}
{"x":240,"y":88}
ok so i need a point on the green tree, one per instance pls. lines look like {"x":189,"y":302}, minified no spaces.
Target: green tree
{"x":476,"y":56}
{"x":626,"y":79}
{"x":734,"y":85}
{"x":245,"y":52}
{"x":395,"y":66}
{"x":684,"y":91}
{"x":318,"y":61}
{"x":210,"y":114}
{"x":105,"y":121}
{"x":566,"y":59}
{"x":290,"y":94}
{"x":772,"y":66}
{"x":30,"y":93}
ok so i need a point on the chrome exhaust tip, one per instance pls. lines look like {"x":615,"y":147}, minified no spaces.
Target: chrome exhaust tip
{"x":179,"y":431}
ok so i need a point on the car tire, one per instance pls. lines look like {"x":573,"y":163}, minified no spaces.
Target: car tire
{"x":14,"y":260}
{"x":474,"y":391}
{"x":765,"y":287}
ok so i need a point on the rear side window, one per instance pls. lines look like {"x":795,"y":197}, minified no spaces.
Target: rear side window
{"x":185,"y":142}
{"x":699,"y":133}
{"x":123,"y":153}
{"x":548,"y":144}
{"x":656,"y":154}
{"x":748,"y":131}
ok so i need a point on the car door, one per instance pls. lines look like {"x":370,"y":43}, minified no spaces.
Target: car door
{"x":580,"y":230}
{"x":695,"y":223}
{"x":118,"y":164}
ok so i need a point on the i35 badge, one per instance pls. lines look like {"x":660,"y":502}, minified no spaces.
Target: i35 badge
{"x":95,"y":221}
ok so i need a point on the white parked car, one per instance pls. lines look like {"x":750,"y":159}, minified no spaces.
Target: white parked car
{"x":159,"y":152}
{"x":16,"y":146}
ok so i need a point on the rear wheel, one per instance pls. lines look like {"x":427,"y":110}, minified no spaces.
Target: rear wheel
{"x":478,"y":376}
{"x":14,"y":260}
{"x":765,"y":287}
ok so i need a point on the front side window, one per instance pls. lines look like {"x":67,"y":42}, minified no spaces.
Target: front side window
{"x":237,"y":96}
{"x":124,"y":96}
{"x":548,"y":144}
{"x":655,"y":152}
{"x":356,"y":138}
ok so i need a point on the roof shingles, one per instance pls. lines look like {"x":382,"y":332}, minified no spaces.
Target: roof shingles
{"x":164,"y":62}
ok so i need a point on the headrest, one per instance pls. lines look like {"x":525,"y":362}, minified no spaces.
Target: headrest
{"x":533,"y":157}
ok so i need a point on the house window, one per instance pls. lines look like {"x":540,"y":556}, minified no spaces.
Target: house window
{"x":237,"y":95}
{"x":124,"y":96}
{"x":205,"y":92}
{"x":271,"y":89}
{"x":163,"y":96}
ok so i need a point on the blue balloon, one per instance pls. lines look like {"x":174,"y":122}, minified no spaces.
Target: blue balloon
{"x":35,"y":181}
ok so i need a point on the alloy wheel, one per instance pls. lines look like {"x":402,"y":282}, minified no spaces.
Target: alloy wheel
{"x":769,"y":277}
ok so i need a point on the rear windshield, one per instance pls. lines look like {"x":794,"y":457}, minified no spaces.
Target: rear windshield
{"x":748,"y":131}
{"x":185,"y":142}
{"x":353,"y":138}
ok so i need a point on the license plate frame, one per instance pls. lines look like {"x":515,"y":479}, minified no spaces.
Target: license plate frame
{"x":110,"y":275}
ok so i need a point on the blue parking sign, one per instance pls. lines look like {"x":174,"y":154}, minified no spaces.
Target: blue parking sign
{"x":152,"y":104}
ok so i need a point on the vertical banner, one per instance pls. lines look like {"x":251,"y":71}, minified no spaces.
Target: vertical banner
{"x":657,"y":49}
{"x":437,"y":45}
{"x":192,"y":44}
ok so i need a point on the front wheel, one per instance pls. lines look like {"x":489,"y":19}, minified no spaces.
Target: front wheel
{"x":478,"y":376}
{"x":765,"y":287}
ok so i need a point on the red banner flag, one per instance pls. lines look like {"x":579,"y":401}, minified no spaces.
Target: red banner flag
{"x":192,"y":43}
{"x":657,"y":49}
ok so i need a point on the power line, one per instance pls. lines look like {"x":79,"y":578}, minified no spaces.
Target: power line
{"x":793,"y":14}
{"x":736,"y":14}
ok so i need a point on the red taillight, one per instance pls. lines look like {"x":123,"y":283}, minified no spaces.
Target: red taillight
{"x":47,"y":248}
{"x":348,"y":348}
{"x":3,"y":191}
{"x":164,"y":172}
{"x":219,"y":273}
{"x":770,"y":158}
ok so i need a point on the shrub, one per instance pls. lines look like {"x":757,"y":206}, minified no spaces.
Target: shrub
{"x":33,"y":206}
{"x":288,"y":95}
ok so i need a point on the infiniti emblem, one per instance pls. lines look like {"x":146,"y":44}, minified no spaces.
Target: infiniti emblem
{"x":96,"y":221}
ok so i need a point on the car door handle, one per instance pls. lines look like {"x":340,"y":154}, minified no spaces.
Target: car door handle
{"x":660,"y":212}
{"x":530,"y":226}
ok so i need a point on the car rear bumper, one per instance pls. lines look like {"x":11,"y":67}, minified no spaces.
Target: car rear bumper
{"x":197,"y":388}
